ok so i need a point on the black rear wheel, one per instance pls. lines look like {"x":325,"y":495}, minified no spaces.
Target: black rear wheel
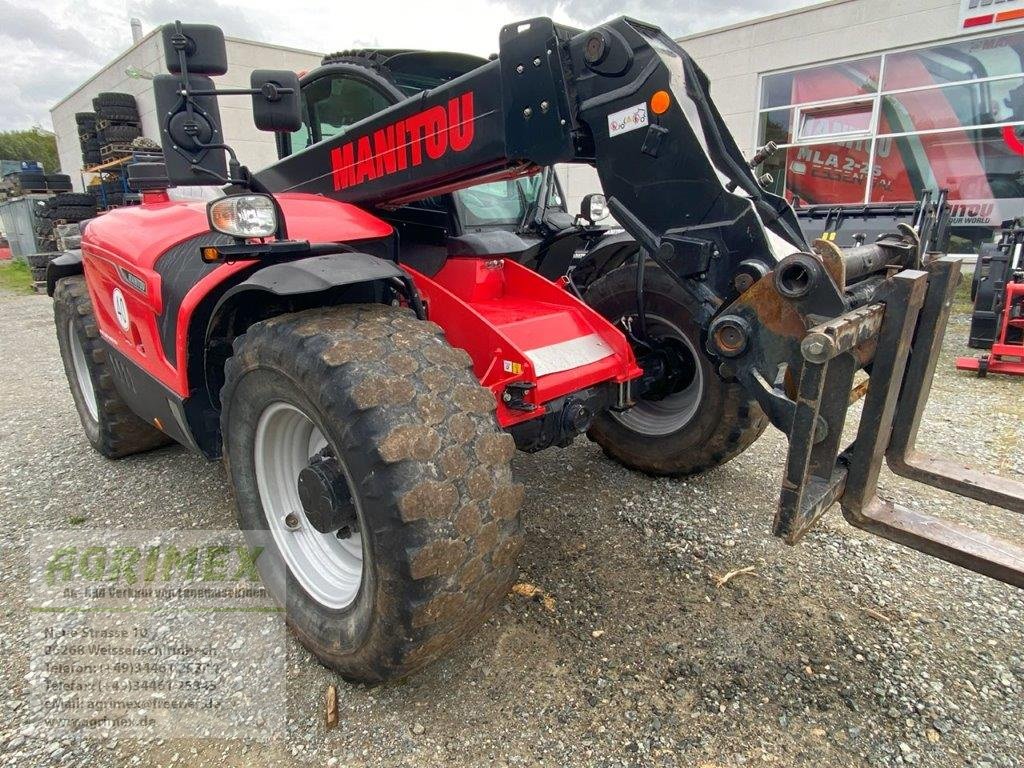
{"x":691,"y":420}
{"x":109,"y":424}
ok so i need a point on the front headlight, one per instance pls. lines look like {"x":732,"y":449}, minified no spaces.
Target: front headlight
{"x":243,"y":216}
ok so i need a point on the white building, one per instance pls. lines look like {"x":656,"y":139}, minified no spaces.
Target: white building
{"x":146,"y":57}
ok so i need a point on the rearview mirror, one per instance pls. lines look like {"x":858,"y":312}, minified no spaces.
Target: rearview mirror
{"x":184,"y":137}
{"x":275,"y":101}
{"x":202,"y":45}
{"x":593,"y":208}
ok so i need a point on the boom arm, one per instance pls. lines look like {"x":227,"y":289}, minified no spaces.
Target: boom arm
{"x":559,"y":95}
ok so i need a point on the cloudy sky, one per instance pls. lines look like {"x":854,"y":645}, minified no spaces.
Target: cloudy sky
{"x":51,"y":48}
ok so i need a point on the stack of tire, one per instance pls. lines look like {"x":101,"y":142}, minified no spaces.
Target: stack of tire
{"x":37,"y":263}
{"x":58,"y":182}
{"x":113,"y":192}
{"x":117,"y":120}
{"x":63,"y":208}
{"x":87,"y":138}
{"x":25,"y":182}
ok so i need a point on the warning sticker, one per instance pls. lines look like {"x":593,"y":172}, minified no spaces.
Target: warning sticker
{"x":626,"y":120}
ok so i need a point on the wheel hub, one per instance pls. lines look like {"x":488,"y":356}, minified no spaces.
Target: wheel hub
{"x":328,"y":566}
{"x":671,"y":390}
{"x":669,"y":367}
{"x":325,"y":496}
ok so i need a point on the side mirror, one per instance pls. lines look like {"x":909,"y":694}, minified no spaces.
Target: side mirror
{"x":202,"y":45}
{"x":593,"y":208}
{"x":184,"y":137}
{"x":275,"y":100}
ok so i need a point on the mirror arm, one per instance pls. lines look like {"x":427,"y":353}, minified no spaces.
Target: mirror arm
{"x":237,"y":173}
{"x":180,"y":43}
{"x":275,"y":96}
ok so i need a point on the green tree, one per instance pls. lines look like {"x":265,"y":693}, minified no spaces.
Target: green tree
{"x":32,"y":144}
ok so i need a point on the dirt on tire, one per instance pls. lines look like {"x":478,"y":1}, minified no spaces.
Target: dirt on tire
{"x":429,"y":468}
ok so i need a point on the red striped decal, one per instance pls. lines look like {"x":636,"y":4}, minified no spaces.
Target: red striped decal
{"x":977,"y":21}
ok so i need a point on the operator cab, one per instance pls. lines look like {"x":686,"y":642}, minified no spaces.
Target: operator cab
{"x":515,"y":218}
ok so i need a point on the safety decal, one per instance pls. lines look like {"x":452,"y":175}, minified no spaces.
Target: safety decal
{"x":121,"y":309}
{"x":626,"y":120}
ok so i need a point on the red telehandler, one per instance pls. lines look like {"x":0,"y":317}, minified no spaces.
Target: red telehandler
{"x":367,"y":400}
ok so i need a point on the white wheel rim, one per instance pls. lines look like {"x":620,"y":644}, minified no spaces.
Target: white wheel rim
{"x":657,"y":418}
{"x":82,"y":372}
{"x":328,"y":568}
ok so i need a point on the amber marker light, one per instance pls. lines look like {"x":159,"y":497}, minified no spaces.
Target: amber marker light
{"x":660,"y":102}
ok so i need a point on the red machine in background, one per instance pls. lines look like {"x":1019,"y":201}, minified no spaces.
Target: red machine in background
{"x":997,"y":323}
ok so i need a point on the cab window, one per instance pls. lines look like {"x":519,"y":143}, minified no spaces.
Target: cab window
{"x":498,"y":203}
{"x":331,"y":104}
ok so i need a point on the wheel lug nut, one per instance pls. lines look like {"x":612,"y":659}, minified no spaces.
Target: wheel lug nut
{"x":291,"y":521}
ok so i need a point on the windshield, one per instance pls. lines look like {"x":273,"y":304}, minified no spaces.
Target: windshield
{"x":503,"y":203}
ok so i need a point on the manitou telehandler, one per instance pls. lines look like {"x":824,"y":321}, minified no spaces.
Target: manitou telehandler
{"x":366,"y":396}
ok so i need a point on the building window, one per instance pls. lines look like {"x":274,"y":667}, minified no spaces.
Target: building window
{"x":885,"y":128}
{"x":961,"y":61}
{"x":832,"y":81}
{"x":827,"y":121}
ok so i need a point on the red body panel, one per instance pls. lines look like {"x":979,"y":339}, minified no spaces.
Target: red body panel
{"x":504,"y":315}
{"x":134,"y":239}
{"x":499,"y":312}
{"x":1006,"y":356}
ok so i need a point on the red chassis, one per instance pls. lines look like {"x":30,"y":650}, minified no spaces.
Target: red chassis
{"x":517,"y":327}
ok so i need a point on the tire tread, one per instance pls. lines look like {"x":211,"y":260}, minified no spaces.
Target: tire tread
{"x":373,"y":365}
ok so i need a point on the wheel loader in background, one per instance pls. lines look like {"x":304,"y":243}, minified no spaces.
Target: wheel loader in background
{"x":366,"y":396}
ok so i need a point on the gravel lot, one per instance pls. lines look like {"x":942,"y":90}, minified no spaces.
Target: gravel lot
{"x":845,"y":650}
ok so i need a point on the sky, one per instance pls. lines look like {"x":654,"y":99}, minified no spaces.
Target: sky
{"x":51,"y":48}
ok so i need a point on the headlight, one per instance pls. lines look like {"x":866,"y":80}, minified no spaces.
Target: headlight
{"x":243,"y":216}
{"x":593,"y":208}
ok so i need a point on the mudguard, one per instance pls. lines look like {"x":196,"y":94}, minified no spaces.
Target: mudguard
{"x":67,"y":264}
{"x":318,"y":273}
{"x":609,"y":252}
{"x":312,"y":275}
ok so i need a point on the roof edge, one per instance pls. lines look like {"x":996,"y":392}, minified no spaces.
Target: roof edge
{"x":762,"y":19}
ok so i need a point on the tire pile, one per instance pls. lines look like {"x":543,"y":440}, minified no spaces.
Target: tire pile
{"x":37,"y":263}
{"x":108,"y":131}
{"x":21,"y":183}
{"x":64,"y":208}
{"x":110,"y":191}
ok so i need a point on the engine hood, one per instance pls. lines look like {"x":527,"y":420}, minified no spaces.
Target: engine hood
{"x":145,"y":232}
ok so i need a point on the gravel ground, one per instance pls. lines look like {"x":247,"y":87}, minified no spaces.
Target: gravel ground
{"x":845,"y":650}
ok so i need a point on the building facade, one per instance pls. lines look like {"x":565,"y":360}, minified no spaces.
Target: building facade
{"x":878,"y":100}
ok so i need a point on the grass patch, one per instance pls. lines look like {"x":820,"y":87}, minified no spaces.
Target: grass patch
{"x":77,"y":519}
{"x":15,"y":277}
